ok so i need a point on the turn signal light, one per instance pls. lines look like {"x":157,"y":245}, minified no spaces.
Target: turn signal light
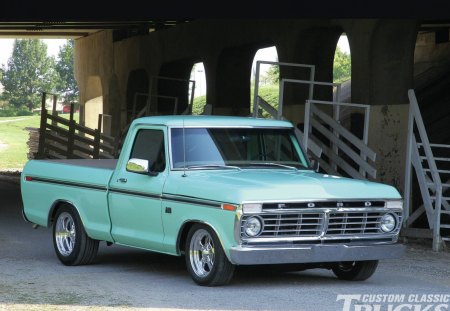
{"x":229,"y":207}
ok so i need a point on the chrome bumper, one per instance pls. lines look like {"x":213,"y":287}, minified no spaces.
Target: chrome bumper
{"x":254,"y":255}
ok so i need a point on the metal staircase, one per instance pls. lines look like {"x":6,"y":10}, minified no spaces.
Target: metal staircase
{"x":430,"y":162}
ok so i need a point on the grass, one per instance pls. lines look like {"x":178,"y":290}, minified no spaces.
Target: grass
{"x":13,"y":156}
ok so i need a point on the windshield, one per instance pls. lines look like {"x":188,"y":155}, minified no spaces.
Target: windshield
{"x":217,"y":148}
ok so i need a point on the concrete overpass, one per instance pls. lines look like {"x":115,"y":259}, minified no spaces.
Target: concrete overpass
{"x":115,"y":60}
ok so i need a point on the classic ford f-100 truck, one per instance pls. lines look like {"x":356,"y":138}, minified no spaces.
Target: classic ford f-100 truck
{"x":222,"y":191}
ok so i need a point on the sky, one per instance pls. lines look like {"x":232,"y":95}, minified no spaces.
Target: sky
{"x":6,"y":47}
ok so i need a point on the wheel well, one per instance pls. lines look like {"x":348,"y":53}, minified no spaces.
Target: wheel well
{"x":54,"y":209}
{"x":182,"y":236}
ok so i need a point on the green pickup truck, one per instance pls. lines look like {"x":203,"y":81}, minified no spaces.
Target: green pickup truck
{"x":222,"y":191}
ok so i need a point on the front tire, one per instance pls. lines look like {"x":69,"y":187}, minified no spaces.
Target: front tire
{"x":355,"y":270}
{"x":205,"y":259}
{"x":72,"y":245}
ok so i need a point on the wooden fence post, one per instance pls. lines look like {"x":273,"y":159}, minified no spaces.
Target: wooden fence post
{"x":98,"y":132}
{"x":72,"y":107}
{"x":71,"y":139}
{"x":42,"y":132}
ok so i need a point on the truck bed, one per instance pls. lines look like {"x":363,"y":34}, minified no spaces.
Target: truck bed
{"x":82,"y":183}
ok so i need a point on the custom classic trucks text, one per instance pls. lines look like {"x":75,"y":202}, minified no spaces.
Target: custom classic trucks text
{"x":222,"y":191}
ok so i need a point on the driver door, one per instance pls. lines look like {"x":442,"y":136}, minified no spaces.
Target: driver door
{"x":135,"y":199}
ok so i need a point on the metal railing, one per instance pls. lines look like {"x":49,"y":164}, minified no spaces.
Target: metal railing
{"x":311,"y":69}
{"x":313,"y":147}
{"x":342,"y":141}
{"x":420,"y":156}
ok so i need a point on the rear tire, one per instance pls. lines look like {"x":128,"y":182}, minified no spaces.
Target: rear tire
{"x":205,"y":259}
{"x":72,"y":245}
{"x":355,"y":270}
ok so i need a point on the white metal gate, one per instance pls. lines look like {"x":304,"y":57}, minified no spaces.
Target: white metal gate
{"x":346,"y":152}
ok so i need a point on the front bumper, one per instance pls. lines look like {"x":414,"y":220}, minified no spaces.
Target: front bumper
{"x":255,"y":255}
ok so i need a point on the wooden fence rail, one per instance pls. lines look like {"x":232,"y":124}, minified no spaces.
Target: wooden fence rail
{"x":65,"y":139}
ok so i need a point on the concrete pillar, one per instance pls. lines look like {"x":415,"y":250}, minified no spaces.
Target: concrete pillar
{"x":230,"y":85}
{"x":382,"y":72}
{"x":178,"y":89}
{"x":314,"y":46}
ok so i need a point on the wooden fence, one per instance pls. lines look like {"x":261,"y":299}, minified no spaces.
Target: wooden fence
{"x":60,"y":138}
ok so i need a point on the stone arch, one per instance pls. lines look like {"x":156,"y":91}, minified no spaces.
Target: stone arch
{"x":93,"y":105}
{"x":136,"y":93}
{"x":268,"y":77}
{"x":198,"y":74}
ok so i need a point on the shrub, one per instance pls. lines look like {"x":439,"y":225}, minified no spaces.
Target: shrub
{"x":198,"y":105}
{"x":7,"y":113}
{"x":24,"y":113}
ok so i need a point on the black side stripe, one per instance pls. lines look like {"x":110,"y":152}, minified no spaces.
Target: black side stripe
{"x":191,"y":200}
{"x":136,"y":193}
{"x":168,"y":197}
{"x":69,"y":183}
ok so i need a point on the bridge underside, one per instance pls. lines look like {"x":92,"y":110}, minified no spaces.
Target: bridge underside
{"x":114,"y":61}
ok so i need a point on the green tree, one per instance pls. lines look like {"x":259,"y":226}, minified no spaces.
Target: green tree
{"x":29,"y":73}
{"x":342,"y":66}
{"x":67,"y":85}
{"x":273,"y":74}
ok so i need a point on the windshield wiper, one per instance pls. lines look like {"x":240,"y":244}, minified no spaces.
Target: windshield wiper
{"x":274,"y":164}
{"x":212,"y":166}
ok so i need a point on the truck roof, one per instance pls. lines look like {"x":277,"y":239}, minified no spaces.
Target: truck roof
{"x":189,"y":120}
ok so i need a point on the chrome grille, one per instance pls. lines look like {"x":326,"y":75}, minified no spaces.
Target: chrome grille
{"x":340,"y":223}
{"x":289,"y":224}
{"x":317,"y":224}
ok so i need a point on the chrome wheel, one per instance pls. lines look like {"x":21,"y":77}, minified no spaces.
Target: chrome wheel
{"x":201,"y":253}
{"x":65,"y":234}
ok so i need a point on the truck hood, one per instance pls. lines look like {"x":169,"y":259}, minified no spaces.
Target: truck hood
{"x":269,"y":185}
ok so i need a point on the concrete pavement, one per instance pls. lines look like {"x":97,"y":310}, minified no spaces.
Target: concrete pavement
{"x":32,"y":278}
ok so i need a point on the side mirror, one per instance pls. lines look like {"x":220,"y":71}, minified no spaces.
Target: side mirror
{"x":139,"y":166}
{"x":315,"y":165}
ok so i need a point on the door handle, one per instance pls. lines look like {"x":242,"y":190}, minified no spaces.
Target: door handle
{"x":123,"y":180}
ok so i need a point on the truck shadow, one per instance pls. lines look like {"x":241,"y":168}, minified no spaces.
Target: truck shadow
{"x":118,"y":257}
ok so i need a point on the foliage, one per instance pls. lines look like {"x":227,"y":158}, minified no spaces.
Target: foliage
{"x":272,"y":75}
{"x":198,"y":105}
{"x":29,"y":73}
{"x":341,"y":66}
{"x":14,"y":112}
{"x":66,"y":84}
{"x":270,"y":93}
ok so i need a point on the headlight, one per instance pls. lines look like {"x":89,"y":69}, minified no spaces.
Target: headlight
{"x":388,"y":223}
{"x":394,"y":204}
{"x":253,"y":226}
